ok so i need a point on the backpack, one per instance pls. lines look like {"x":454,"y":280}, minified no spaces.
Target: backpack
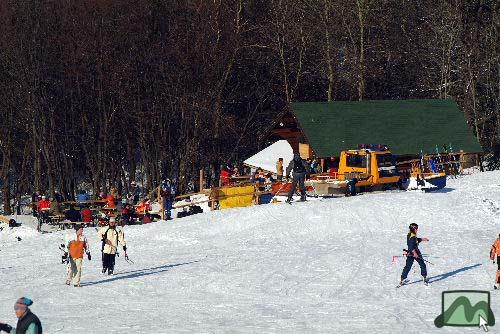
{"x":298,"y":167}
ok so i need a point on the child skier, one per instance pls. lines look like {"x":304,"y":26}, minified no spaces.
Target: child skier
{"x":495,"y":253}
{"x":412,"y":254}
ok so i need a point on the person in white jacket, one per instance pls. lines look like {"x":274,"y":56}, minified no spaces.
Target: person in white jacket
{"x":111,"y":236}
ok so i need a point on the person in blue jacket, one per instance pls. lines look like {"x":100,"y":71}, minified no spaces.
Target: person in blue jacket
{"x":414,"y":254}
{"x":27,"y":323}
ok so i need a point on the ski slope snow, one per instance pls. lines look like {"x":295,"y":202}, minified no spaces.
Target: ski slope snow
{"x":316,"y":267}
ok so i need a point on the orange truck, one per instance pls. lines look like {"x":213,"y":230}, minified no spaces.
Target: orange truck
{"x":370,"y":167}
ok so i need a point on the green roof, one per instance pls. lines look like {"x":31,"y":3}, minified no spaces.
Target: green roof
{"x":406,"y":126}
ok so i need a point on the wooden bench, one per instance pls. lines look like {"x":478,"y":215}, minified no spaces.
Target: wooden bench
{"x":55,"y":219}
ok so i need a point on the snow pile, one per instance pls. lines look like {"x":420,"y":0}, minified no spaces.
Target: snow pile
{"x":314,"y":267}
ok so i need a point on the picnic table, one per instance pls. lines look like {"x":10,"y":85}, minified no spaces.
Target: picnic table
{"x":69,"y":224}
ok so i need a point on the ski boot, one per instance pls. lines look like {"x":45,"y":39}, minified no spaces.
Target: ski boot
{"x":288,"y":200}
{"x":402,"y":282}
{"x":110,"y":272}
{"x":496,"y":286}
{"x":68,"y":282}
{"x":103,"y":270}
{"x":426,"y":281}
{"x":303,"y":198}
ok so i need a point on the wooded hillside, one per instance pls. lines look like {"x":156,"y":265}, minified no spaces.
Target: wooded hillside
{"x":91,"y":90}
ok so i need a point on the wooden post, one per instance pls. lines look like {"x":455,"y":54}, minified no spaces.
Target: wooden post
{"x":202,"y":181}
{"x":322,"y":161}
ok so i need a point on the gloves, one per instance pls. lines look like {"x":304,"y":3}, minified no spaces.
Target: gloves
{"x":6,"y":328}
{"x":125,"y":248}
{"x":88,"y":256}
{"x":425,"y":239}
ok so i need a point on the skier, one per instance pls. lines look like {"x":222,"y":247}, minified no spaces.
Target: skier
{"x":300,"y":168}
{"x":111,"y":236}
{"x":495,"y":252}
{"x":27,"y":323}
{"x":412,"y":254}
{"x":76,"y":246}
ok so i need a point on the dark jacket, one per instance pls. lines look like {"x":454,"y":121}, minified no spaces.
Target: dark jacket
{"x":298,"y":166}
{"x":73,"y":215}
{"x":412,"y":241}
{"x":26,"y":321}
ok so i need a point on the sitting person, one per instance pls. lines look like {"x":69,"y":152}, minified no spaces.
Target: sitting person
{"x":143,"y":206}
{"x":73,"y":215}
{"x":86,"y":214}
{"x":110,"y":201}
{"x":82,"y":196}
{"x":146,"y":219}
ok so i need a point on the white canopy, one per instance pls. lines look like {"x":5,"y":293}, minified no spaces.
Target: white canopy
{"x":267,"y":158}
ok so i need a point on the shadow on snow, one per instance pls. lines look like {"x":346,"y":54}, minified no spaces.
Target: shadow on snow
{"x":138,"y":273}
{"x":441,"y":277}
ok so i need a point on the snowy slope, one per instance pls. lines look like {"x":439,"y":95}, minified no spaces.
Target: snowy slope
{"x":317,"y":267}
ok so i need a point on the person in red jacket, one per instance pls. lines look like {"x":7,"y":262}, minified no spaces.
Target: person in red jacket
{"x":43,"y":207}
{"x":225,"y":176}
{"x":495,"y":255}
{"x":86,"y":215}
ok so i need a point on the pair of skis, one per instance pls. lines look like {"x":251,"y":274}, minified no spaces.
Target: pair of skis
{"x":406,"y":281}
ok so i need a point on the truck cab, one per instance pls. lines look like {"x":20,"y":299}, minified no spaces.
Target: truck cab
{"x":372,"y":167}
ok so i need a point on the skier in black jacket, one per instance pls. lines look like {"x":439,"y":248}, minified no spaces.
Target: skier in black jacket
{"x":27,"y":322}
{"x":300,"y":168}
{"x":413,"y":253}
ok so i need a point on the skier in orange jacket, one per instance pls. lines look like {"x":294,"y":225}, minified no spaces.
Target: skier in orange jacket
{"x":495,"y":255}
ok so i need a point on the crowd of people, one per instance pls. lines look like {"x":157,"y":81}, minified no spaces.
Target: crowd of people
{"x":133,"y":207}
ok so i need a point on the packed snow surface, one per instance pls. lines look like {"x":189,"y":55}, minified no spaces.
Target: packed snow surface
{"x":316,"y":267}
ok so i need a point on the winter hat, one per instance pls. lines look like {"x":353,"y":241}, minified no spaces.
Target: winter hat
{"x":23,"y":303}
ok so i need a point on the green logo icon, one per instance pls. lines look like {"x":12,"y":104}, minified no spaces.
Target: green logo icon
{"x":465,"y":308}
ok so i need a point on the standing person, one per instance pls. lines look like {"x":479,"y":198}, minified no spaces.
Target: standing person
{"x":111,"y":235}
{"x":495,"y":255}
{"x":279,"y":169}
{"x":34,"y":203}
{"x":76,"y":247}
{"x":27,"y":322}
{"x":136,"y":192}
{"x":300,"y":168}
{"x":168,"y":195}
{"x":413,"y":254}
{"x":43,"y":212}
